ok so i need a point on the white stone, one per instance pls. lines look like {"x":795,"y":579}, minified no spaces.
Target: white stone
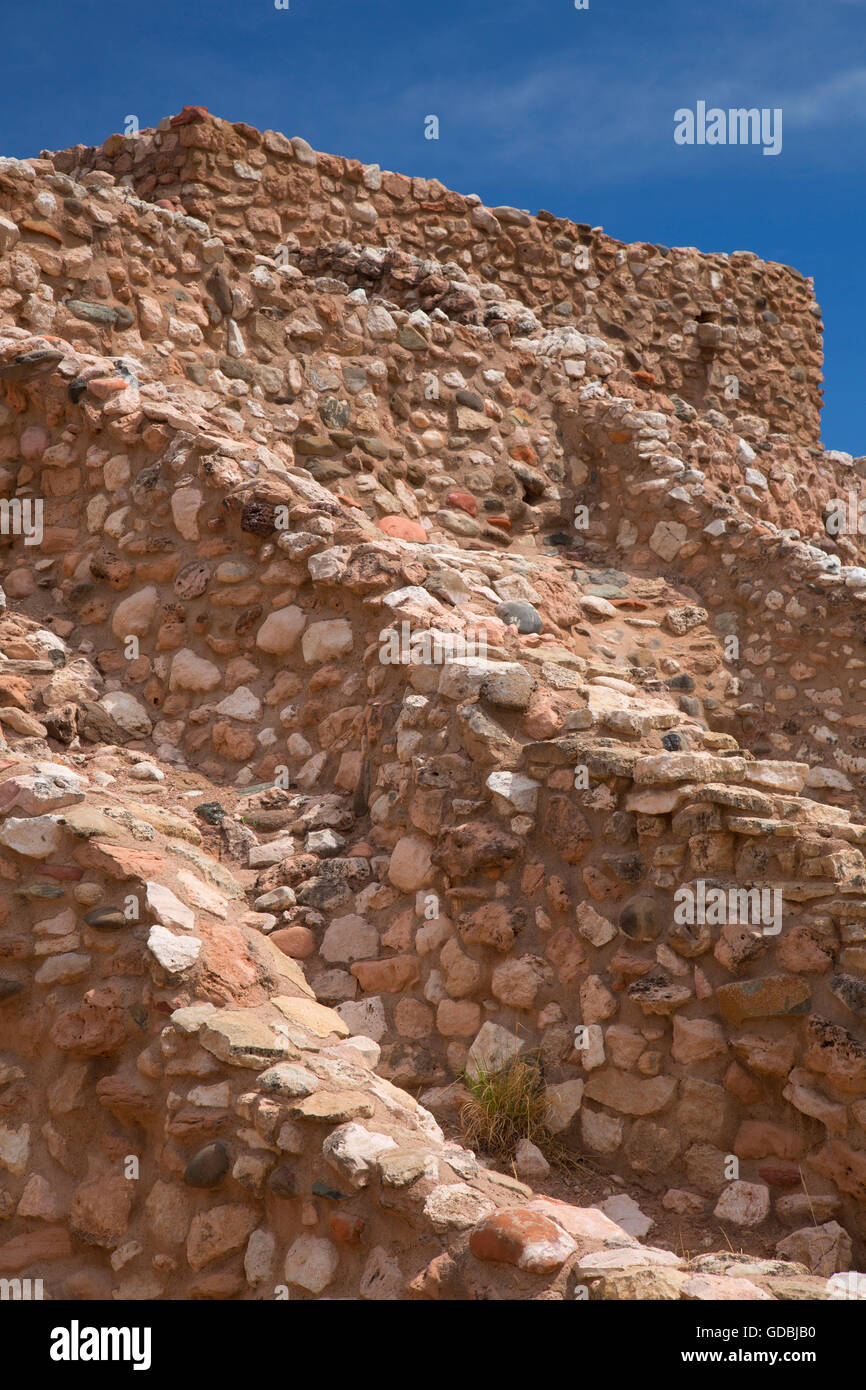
{"x":327,"y":641}
{"x":189,"y":1020}
{"x":174,"y":953}
{"x":626,"y":1213}
{"x":274,"y":852}
{"x":628,"y":1257}
{"x":743,"y":1204}
{"x":63,"y":969}
{"x":49,"y":788}
{"x":311,"y":1263}
{"x":369,"y":1050}
{"x":530,"y":1161}
{"x":352,"y":1150}
{"x":662,"y":768}
{"x":415,"y":597}
{"x":598,"y":607}
{"x":328,"y":565}
{"x":493,"y":1049}
{"x":827,"y":778}
{"x":191,"y":672}
{"x":133,"y":616}
{"x":600,"y":1132}
{"x":503,"y":683}
{"x":515,"y":587}
{"x":9,"y":234}
{"x":778,"y":776}
{"x":127,"y":712}
{"x":563,"y":1103}
{"x":456,"y":1207}
{"x":204,"y":895}
{"x":380,"y":323}
{"x":167,"y":908}
{"x":259,"y":1256}
{"x":364,"y":1017}
{"x":668,"y":539}
{"x":185,"y":506}
{"x":242,"y":704}
{"x":14,"y":1149}
{"x":849,"y":1285}
{"x":280,"y":631}
{"x":235,"y":346}
{"x":350,"y":938}
{"x":147,"y":772}
{"x":36,"y":838}
{"x":310,"y":774}
{"x":521,"y":793}
{"x":324,"y":843}
{"x":286,"y":1079}
{"x":215,"y":1097}
{"x":382,"y":1280}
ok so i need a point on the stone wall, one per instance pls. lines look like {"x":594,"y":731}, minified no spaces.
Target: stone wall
{"x":689,"y":321}
{"x":254,"y":470}
{"x":181,"y":1119}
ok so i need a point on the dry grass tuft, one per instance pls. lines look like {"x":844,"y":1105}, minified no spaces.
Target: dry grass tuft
{"x":507,"y":1106}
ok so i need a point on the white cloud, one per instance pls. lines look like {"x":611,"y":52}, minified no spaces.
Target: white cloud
{"x":840,"y":98}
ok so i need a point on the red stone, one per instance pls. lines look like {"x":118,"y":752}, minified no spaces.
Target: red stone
{"x":402,"y":529}
{"x":297,"y":942}
{"x":502,"y":521}
{"x":104,"y":386}
{"x":464,"y":500}
{"x":53,"y":1243}
{"x":515,"y":1236}
{"x":566,"y":953}
{"x":346,"y":1230}
{"x":777,"y":1175}
{"x":189,"y":115}
{"x":122,"y":861}
{"x":391,"y":976}
{"x":645,"y":378}
{"x":523,"y":453}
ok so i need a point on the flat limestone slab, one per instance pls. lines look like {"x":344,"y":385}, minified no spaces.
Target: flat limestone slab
{"x":317,"y":1017}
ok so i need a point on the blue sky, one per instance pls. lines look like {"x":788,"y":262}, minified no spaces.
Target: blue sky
{"x":540,"y":105}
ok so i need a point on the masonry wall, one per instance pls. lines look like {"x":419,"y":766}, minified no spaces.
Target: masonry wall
{"x":691,"y":321}
{"x":166,"y":394}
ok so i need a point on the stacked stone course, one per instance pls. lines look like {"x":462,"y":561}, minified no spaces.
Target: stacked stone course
{"x":688,"y":319}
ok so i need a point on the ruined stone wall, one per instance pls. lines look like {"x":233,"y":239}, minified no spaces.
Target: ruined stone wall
{"x":689,"y":321}
{"x":181,"y":1119}
{"x":246,"y":471}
